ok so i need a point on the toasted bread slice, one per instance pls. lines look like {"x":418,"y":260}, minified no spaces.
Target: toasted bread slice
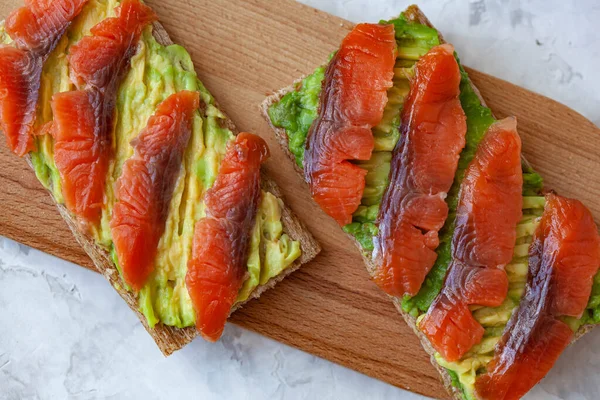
{"x":168,"y":338}
{"x":412,"y":13}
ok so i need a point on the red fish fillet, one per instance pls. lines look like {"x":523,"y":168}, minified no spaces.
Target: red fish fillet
{"x":19,"y":89}
{"x":35,"y":30}
{"x":424,"y":163}
{"x":488,"y":211}
{"x":101,"y":60}
{"x":83,"y":134}
{"x":146,"y":184}
{"x":41,"y":23}
{"x":563,"y":259}
{"x":79,"y":155}
{"x":217,"y":268}
{"x":352,"y":101}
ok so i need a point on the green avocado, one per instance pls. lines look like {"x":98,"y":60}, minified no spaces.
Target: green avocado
{"x":297,"y":110}
{"x":376,"y":180}
{"x":277,"y":249}
{"x":594,"y":302}
{"x":156,"y":72}
{"x":363,"y":233}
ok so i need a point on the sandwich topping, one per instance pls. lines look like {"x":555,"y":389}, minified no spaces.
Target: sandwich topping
{"x":297,"y":110}
{"x":116,"y":91}
{"x":488,"y":211}
{"x":35,"y":31}
{"x":145,"y":187}
{"x":352,"y":102}
{"x":423,"y":165}
{"x":84,"y":119}
{"x":563,"y":259}
{"x":217,"y":268}
{"x":494,"y":319}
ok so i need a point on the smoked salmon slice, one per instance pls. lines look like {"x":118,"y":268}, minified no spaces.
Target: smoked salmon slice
{"x":80,"y":156}
{"x":146,"y":184}
{"x":217,"y":268}
{"x":100,"y":61}
{"x":563,"y":259}
{"x":489,"y":208}
{"x":84,"y":119}
{"x":41,"y":23}
{"x":352,"y":101}
{"x":35,"y":30}
{"x":423,"y":166}
{"x":19,"y":90}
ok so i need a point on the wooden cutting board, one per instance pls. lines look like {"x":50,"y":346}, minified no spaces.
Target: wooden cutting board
{"x":242,"y":51}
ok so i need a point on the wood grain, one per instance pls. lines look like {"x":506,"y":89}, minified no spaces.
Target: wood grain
{"x":245,"y":49}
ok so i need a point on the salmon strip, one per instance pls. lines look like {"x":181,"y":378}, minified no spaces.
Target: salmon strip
{"x":101,"y":61}
{"x":217,"y":268}
{"x":35,"y":30}
{"x":82,"y":147}
{"x":563,"y":259}
{"x":352,"y":101}
{"x":145,"y":187}
{"x":41,"y":23}
{"x":489,"y":208}
{"x":79,"y":156}
{"x":20,"y":74}
{"x":423,"y":166}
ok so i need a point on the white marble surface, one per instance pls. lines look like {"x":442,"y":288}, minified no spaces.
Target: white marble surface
{"x":64,"y":333}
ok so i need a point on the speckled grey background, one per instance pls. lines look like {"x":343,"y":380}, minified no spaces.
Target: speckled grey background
{"x":65,"y":334}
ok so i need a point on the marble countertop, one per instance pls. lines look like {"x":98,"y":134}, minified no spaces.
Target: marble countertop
{"x":65,"y":333}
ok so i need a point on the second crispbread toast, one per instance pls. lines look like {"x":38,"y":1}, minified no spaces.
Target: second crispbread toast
{"x":412,"y":14}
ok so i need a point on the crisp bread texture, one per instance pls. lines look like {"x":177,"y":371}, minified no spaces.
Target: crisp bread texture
{"x":168,"y":338}
{"x":412,"y":13}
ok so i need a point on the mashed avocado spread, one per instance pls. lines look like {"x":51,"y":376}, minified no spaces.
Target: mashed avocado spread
{"x":155,"y":73}
{"x":295,"y":113}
